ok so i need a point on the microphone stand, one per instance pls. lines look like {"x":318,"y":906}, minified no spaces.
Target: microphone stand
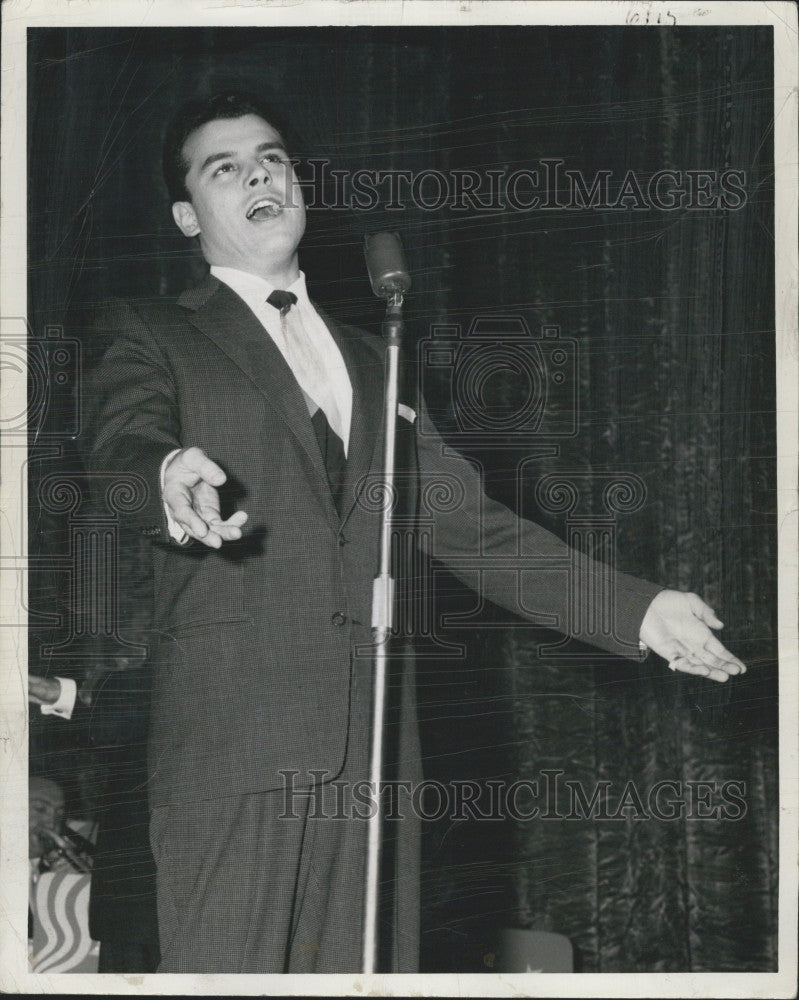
{"x":382,"y":623}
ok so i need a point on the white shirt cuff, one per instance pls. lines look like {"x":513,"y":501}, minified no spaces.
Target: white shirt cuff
{"x":66,"y":699}
{"x":175,"y":531}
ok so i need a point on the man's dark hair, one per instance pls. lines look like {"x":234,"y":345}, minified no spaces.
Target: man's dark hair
{"x":193,"y":115}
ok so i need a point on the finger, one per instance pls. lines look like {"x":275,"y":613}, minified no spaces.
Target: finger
{"x":689,"y":666}
{"x":730,"y":666}
{"x":724,"y":654}
{"x":205,"y":524}
{"x":676,"y":651}
{"x":719,"y":670}
{"x":713,"y":664}
{"x":237,"y":519}
{"x":205,"y":500}
{"x":698,"y":659}
{"x":702,"y":654}
{"x":188,"y":519}
{"x":197,"y":461}
{"x":208,"y":508}
{"x":715,"y":655}
{"x":206,"y":503}
{"x":211,"y":538}
{"x":704,"y":612}
{"x":686,"y":666}
{"x":708,"y":650}
{"x":227,"y":532}
{"x":234,"y":521}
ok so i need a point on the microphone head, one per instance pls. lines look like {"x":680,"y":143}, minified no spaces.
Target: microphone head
{"x":385,"y":261}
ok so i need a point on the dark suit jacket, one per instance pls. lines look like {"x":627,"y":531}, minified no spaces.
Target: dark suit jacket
{"x":253,"y":662}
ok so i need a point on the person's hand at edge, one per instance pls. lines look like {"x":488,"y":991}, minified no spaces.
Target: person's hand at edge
{"x":43,"y":690}
{"x":677,"y":626}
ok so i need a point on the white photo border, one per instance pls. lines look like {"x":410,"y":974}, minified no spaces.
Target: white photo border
{"x":18,"y":16}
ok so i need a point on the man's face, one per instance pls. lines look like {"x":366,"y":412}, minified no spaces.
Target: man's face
{"x":246,"y":205}
{"x":45,"y":812}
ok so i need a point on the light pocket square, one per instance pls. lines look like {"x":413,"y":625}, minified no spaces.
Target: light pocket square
{"x":406,"y":411}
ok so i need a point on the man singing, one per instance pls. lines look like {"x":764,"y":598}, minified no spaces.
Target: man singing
{"x":249,"y":422}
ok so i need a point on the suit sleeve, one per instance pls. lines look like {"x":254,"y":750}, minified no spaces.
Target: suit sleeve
{"x":524,"y":568}
{"x":132,"y":420}
{"x":119,"y":712}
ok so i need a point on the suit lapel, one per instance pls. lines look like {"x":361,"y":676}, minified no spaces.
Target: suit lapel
{"x":217,"y":312}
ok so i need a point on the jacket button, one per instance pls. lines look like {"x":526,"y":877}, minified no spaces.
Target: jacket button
{"x":338,"y":618}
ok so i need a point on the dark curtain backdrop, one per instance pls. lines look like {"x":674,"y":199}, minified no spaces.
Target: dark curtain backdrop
{"x":671,"y":315}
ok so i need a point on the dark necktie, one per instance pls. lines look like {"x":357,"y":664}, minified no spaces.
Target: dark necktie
{"x":330,"y":444}
{"x":332,"y":448}
{"x":282,"y":301}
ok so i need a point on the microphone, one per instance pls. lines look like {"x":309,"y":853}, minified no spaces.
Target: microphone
{"x":70,"y":845}
{"x":78,"y":841}
{"x":385,"y":261}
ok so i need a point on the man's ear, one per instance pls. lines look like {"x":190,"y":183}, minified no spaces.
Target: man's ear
{"x":186,"y":218}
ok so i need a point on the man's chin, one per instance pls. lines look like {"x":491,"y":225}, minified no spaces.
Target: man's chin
{"x":273,"y":240}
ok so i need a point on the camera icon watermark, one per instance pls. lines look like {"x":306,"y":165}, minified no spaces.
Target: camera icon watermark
{"x":42,"y":376}
{"x":496,"y":381}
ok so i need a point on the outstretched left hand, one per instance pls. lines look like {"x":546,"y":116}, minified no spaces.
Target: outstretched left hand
{"x":677,"y":627}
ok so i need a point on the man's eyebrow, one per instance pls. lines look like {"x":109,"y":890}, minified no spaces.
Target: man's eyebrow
{"x":271,"y":145}
{"x":214,"y":158}
{"x":261,"y":148}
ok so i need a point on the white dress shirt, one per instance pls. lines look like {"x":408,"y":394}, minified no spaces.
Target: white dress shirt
{"x":310,"y":351}
{"x":304,"y":341}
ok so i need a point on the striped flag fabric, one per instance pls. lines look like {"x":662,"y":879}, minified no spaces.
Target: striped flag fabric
{"x":60,"y":905}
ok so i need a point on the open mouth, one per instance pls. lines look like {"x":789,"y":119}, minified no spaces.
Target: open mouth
{"x":265,"y":208}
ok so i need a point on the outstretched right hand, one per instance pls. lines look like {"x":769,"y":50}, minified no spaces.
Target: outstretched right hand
{"x":190,"y":492}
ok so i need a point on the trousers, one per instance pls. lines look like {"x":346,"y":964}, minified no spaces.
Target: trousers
{"x":273,"y":882}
